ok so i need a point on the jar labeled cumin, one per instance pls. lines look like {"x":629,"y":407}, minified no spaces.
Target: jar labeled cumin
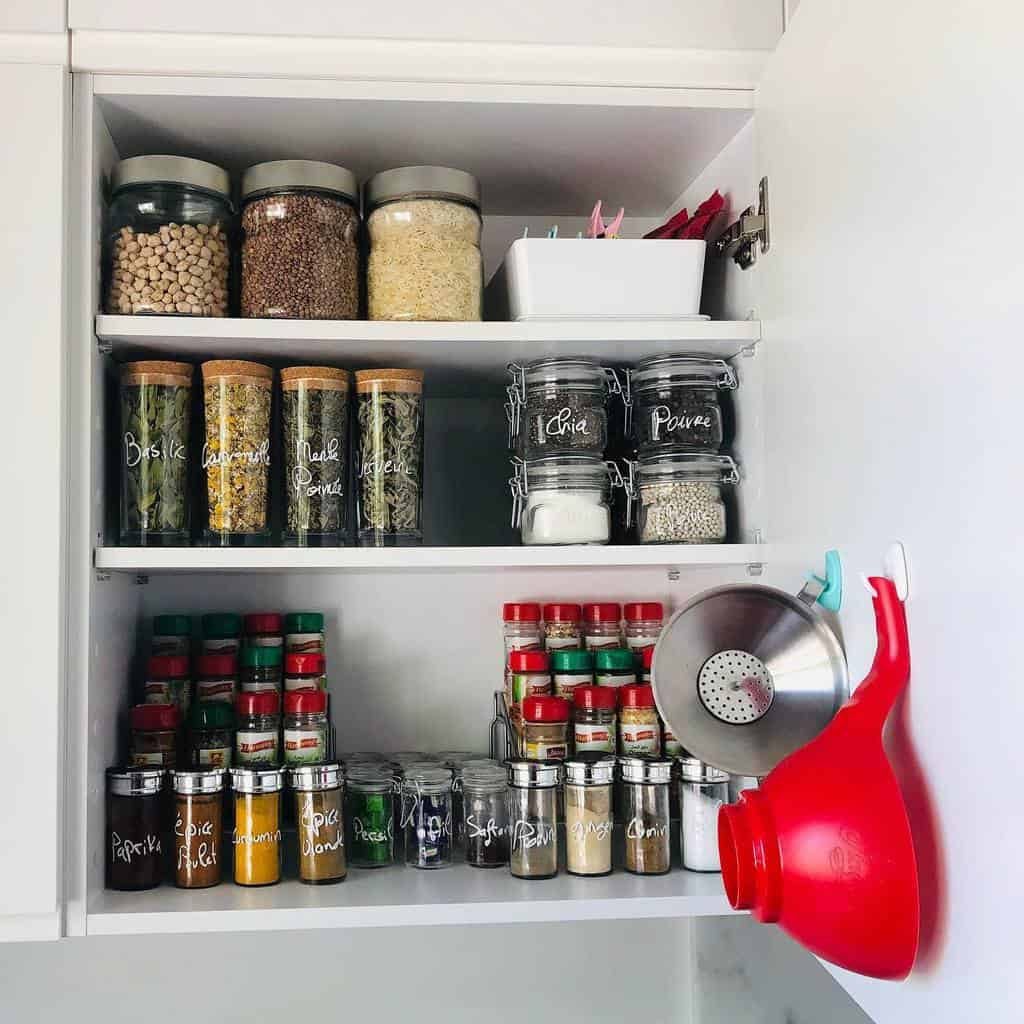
{"x":645,"y":787}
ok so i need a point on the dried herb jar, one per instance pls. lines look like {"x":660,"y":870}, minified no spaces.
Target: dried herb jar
{"x":305,"y":726}
{"x":261,"y":670}
{"x":369,"y":816}
{"x":172,"y":635}
{"x":134,"y":853}
{"x":258,"y":728}
{"x":545,"y":728}
{"x":533,"y":818}
{"x":563,"y":499}
{"x":427,"y":816}
{"x":645,"y":791}
{"x":257,"y":834}
{"x":155,"y":735}
{"x":389,"y":457}
{"x":639,"y":725}
{"x":424,"y":231}
{"x":570,"y":669}
{"x":236,"y":452}
{"x":320,"y":822}
{"x":300,"y":241}
{"x":222,"y":633}
{"x":485,"y":814}
{"x":156,"y":408}
{"x":168,"y":237}
{"x":594,"y":719}
{"x":211,"y":735}
{"x":589,"y":822}
{"x":198,"y":827}
{"x":314,"y":410}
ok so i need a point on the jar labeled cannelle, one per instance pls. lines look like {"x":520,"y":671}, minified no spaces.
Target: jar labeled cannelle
{"x":369,"y":816}
{"x":217,"y":678}
{"x":156,"y":412}
{"x":601,"y":625}
{"x":198,"y":827}
{"x":571,"y":669}
{"x":485,"y":814}
{"x":261,"y":670}
{"x":236,"y":450}
{"x":545,"y":728}
{"x":589,"y":821}
{"x":168,"y":237}
{"x":424,"y":231}
{"x":257,"y":834}
{"x":645,"y":789}
{"x":639,"y":725}
{"x":172,"y":634}
{"x":155,"y":735}
{"x":533,"y":818}
{"x":594,"y":719}
{"x":168,"y":681}
{"x":134,"y":852}
{"x":314,"y":411}
{"x":320,"y":822}
{"x":676,"y":402}
{"x":300,"y":241}
{"x":222,"y":633}
{"x":258,"y":728}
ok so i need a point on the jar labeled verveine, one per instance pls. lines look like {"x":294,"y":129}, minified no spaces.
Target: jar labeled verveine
{"x":601,"y":625}
{"x":156,"y":412}
{"x":545,"y":728}
{"x":257,"y":834}
{"x":485,"y":815}
{"x":172,"y":635}
{"x":314,"y":410}
{"x":369,"y":816}
{"x":134,"y":853}
{"x":563,"y":499}
{"x":198,"y":827}
{"x":645,"y":789}
{"x":424,"y":230}
{"x":427,"y":816}
{"x":155,"y":735}
{"x":257,"y":736}
{"x":320,"y":822}
{"x":300,"y":241}
{"x":533,"y":818}
{"x":571,"y":669}
{"x":236,"y":451}
{"x":589,"y":821}
{"x":168,"y":237}
{"x":168,"y":681}
{"x":676,"y":402}
{"x":217,"y":678}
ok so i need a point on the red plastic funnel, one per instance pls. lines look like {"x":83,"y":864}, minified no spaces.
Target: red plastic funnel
{"x":824,"y":847}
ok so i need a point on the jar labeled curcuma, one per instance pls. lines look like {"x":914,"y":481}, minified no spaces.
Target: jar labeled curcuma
{"x":168,"y":237}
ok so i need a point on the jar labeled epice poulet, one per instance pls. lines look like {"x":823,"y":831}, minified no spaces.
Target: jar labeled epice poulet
{"x":134,"y":852}
{"x":172,"y":635}
{"x":258,"y":721}
{"x":677,"y":402}
{"x":168,"y":237}
{"x":320,"y":822}
{"x":369,"y":816}
{"x":589,"y":821}
{"x":645,"y":790}
{"x":300,"y":241}
{"x":156,"y":411}
{"x":571,"y":669}
{"x":168,"y":681}
{"x":236,"y":452}
{"x":485,"y":811}
{"x":389,"y":457}
{"x":601,"y":625}
{"x":155,"y":735}
{"x":222,"y":633}
{"x":533,"y":818}
{"x":639,"y":725}
{"x":426,"y":818}
{"x":424,"y":230}
{"x":217,"y":678}
{"x":257,"y":835}
{"x":198,"y":827}
{"x":563,"y":499}
{"x":545,"y":728}
{"x":314,"y":411}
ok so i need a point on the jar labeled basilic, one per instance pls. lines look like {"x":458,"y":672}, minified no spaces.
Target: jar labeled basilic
{"x":389,"y":457}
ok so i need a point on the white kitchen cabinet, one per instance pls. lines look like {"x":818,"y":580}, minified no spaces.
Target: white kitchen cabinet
{"x":878,"y":403}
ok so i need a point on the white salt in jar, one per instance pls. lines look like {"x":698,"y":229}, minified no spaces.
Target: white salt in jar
{"x":702,"y":791}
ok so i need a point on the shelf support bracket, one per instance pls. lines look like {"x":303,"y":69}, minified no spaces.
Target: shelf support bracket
{"x":742,"y":239}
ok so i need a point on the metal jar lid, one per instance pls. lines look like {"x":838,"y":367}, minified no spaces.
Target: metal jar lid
{"x":313,"y":778}
{"x":656,"y":770}
{"x":534,"y":774}
{"x":189,"y":782}
{"x":370,"y":778}
{"x":422,"y":183}
{"x":430,"y":778}
{"x":280,"y":175}
{"x":170,"y":170}
{"x":485,"y":775}
{"x":590,"y":770}
{"x":257,"y":780}
{"x":692,"y":770}
{"x":135,"y":781}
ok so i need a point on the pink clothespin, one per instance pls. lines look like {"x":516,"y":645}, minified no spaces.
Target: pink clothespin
{"x":597,"y":228}
{"x":612,"y":231}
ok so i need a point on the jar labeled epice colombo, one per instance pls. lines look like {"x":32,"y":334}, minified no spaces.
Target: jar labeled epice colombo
{"x":134,"y":855}
{"x":257,"y":835}
{"x":156,"y":411}
{"x":320,"y":821}
{"x":198,"y":827}
{"x":533,"y":818}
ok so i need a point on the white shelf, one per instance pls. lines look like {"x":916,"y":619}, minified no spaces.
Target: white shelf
{"x":397,"y":896}
{"x":431,"y":559}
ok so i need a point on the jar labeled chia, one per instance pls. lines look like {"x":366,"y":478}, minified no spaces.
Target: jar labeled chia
{"x":571,"y":669}
{"x":424,"y":231}
{"x":168,"y":681}
{"x":676,"y":402}
{"x":300,"y":241}
{"x":678,"y":497}
{"x":156,"y":409}
{"x":167,"y":243}
{"x":563,"y":627}
{"x":134,"y":853}
{"x":427,"y":816}
{"x":236,"y":452}
{"x":314,"y":411}
{"x":389,"y":457}
{"x":369,"y":816}
{"x":172,"y":634}
{"x":601,"y":625}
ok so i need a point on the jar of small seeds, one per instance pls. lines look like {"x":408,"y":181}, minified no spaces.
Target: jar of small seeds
{"x":236,"y":453}
{"x":679,"y":497}
{"x":562,"y":627}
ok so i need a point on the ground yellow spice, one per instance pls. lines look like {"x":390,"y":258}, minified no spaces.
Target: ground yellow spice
{"x":257,"y":838}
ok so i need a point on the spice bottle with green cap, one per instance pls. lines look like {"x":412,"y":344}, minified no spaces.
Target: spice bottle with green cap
{"x":211,"y":735}
{"x":571,"y":669}
{"x":304,"y":633}
{"x":614,"y":666}
{"x":172,"y":634}
{"x":601,"y":625}
{"x":222,"y":633}
{"x":261,"y":670}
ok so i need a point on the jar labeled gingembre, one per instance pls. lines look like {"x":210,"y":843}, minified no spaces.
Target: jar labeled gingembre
{"x":589,"y":821}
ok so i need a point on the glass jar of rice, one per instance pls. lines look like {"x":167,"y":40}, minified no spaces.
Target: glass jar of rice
{"x":424,"y":228}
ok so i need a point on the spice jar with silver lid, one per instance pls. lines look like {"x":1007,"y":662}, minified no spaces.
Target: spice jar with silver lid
{"x":320,"y":822}
{"x":198,"y":827}
{"x":134,"y":854}
{"x":257,"y":834}
{"x":646,"y":782}
{"x":533,"y":818}
{"x":589,"y":821}
{"x":702,"y":791}
{"x":424,"y":229}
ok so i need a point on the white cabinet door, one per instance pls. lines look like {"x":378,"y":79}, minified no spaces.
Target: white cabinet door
{"x":33,"y":126}
{"x":891,"y":299}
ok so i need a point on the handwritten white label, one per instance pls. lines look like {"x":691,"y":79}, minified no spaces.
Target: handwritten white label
{"x":256,"y":838}
{"x":635,"y":830}
{"x":489,"y":831}
{"x":192,"y":854}
{"x":601,"y":829}
{"x":562,"y":423}
{"x":315,"y":822}
{"x":661,"y":416}
{"x":372,"y":835}
{"x":127,"y":850}
{"x":134,"y":453}
{"x":377,"y":465}
{"x":255,"y":457}
{"x":530,"y":834}
{"x":302,"y":477}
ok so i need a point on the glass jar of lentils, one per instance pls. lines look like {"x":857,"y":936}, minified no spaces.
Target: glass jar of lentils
{"x":300,"y":241}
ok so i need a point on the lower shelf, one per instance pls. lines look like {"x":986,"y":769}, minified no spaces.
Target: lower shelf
{"x":398,"y":896}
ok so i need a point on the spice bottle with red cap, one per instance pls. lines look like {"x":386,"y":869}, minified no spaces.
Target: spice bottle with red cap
{"x":545,"y":729}
{"x":305,"y":726}
{"x":520,"y":626}
{"x":639,"y":728}
{"x":563,"y":627}
{"x":155,"y":729}
{"x":168,"y":681}
{"x":531,"y":676}
{"x":644,"y":621}
{"x":217,"y":678}
{"x":258,"y":728}
{"x":304,"y":672}
{"x":594,"y":718}
{"x":264,"y":629}
{"x":601,"y":625}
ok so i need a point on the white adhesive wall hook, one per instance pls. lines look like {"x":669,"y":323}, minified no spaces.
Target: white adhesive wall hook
{"x":896,"y":569}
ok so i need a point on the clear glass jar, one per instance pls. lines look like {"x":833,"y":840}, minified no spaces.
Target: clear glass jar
{"x":217,"y":678}
{"x":304,"y":633}
{"x":314,"y":413}
{"x":533,"y":818}
{"x":305,"y":726}
{"x":304,"y":672}
{"x":389,"y":457}
{"x":679,"y":498}
{"x":427,"y":816}
{"x":676,"y":402}
{"x":300,"y":241}
{"x":545,"y":728}
{"x":155,"y":735}
{"x":530,"y":676}
{"x":601,"y":625}
{"x":424,"y":231}
{"x":211,"y":735}
{"x":198,"y":827}
{"x":264,"y":629}
{"x":257,"y":736}
{"x":222,"y":633}
{"x":168,"y":237}
{"x":593,"y":719}
{"x":702,"y":791}
{"x":156,"y":412}
{"x":644,"y":621}
{"x":485,"y":814}
{"x":172,"y":634}
{"x":563,"y":629}
{"x":369,"y":816}
{"x":135,"y":825}
{"x":236,"y":451}
{"x":521,"y":631}
{"x":614,"y":666}
{"x":168,"y":681}
{"x":570,"y":669}
{"x":645,"y":789}
{"x":639,"y":725}
{"x":261,"y":670}
{"x":320,"y":822}
{"x":564,"y":499}
{"x":589,"y":821}
{"x":257,"y":834}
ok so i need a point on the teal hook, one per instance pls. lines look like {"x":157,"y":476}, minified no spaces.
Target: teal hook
{"x":831,"y":596}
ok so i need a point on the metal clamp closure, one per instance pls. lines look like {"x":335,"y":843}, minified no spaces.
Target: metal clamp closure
{"x":742,"y":239}
{"x":517,"y":485}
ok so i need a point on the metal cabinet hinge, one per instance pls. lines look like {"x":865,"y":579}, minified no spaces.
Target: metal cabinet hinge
{"x":742,"y":240}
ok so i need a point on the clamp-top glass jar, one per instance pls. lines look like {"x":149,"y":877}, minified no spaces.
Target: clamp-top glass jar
{"x":168,"y":237}
{"x":676,"y":401}
{"x":424,"y":229}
